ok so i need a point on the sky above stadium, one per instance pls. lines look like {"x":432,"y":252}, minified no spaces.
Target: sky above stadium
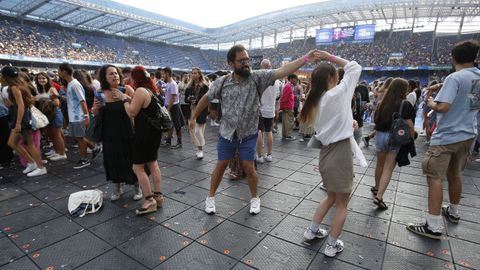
{"x":214,"y":13}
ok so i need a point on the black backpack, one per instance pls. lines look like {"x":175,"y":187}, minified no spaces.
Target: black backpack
{"x":399,"y":131}
{"x":161,"y":121}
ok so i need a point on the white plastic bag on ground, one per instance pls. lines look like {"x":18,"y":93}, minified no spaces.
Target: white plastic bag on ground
{"x":357,"y":153}
{"x":85,"y":202}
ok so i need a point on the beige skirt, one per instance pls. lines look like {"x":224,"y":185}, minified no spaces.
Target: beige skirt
{"x":336,"y":166}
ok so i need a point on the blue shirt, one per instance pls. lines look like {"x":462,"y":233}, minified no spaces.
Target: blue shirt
{"x":460,"y":122}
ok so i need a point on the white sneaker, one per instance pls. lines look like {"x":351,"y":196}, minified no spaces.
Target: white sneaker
{"x":260,"y":159}
{"x":137,"y":194}
{"x":255,"y":205}
{"x":37,"y":172}
{"x":30,"y":167}
{"x":199,"y":154}
{"x":310,"y":235}
{"x":322,"y":186}
{"x":268,"y":158}
{"x":117,"y":193}
{"x":210,"y":205}
{"x":57,"y":157}
{"x":50,"y":153}
{"x":331,"y":251}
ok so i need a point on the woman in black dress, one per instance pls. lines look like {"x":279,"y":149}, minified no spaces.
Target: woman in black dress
{"x":117,"y":132}
{"x":146,"y":139}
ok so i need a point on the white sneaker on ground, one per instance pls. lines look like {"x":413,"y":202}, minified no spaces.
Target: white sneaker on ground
{"x":331,"y":251}
{"x":199,"y":154}
{"x":255,"y":205}
{"x":322,"y":186}
{"x":310,"y":235}
{"x":57,"y":157}
{"x":260,"y":159}
{"x":210,"y":205}
{"x":30,"y":167}
{"x":117,"y":194}
{"x":268,"y":158}
{"x":50,"y":153}
{"x":137,"y":194}
{"x":37,"y":172}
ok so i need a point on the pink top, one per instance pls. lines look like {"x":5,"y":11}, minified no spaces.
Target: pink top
{"x":287,"y":99}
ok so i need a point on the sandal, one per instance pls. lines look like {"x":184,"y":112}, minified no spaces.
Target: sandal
{"x":380,"y":203}
{"x":158,"y":196}
{"x":233,"y":176}
{"x":150,"y":209}
{"x":374,"y":190}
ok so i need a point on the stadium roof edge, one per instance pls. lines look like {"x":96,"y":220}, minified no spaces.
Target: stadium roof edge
{"x":123,"y":20}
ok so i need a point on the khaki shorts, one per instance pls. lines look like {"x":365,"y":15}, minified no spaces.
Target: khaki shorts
{"x":336,"y":166}
{"x":450,"y":159}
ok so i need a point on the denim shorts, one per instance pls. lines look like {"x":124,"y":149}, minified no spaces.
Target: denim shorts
{"x":246,"y":147}
{"x":382,"y":142}
{"x":58,"y":120}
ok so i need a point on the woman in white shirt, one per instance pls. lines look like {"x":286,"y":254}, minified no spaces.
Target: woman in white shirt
{"x":54,"y":129}
{"x":328,"y":108}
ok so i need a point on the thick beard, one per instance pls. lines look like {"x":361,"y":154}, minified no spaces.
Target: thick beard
{"x":243,"y":72}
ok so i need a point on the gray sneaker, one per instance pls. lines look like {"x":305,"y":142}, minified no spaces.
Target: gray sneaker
{"x":331,"y":251}
{"x":310,"y":235}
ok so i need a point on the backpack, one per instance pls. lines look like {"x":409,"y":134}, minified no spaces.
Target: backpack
{"x":85,"y":202}
{"x":399,"y":131}
{"x":161,"y":121}
{"x":474,"y":95}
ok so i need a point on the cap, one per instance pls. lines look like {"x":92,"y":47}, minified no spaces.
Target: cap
{"x":9,"y":71}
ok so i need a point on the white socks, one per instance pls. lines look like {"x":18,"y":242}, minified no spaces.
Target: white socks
{"x":435,"y":223}
{"x":454,"y":209}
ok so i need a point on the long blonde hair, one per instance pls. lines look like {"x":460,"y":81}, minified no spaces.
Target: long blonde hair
{"x":25,"y":87}
{"x":202,"y":80}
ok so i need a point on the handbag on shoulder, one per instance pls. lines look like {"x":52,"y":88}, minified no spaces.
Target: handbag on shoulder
{"x":161,"y":120}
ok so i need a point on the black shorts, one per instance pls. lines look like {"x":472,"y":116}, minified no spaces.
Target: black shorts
{"x":265,"y":124}
{"x":178,"y":120}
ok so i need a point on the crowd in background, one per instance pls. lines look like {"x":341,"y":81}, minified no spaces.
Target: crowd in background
{"x":417,"y":49}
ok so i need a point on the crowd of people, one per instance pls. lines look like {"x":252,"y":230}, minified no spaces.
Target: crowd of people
{"x":416,"y":49}
{"x":247,"y":105}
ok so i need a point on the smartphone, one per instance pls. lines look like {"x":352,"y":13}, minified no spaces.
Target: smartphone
{"x":100,"y":96}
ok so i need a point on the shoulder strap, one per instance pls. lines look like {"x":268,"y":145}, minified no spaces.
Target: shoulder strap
{"x":221,"y":86}
{"x":401,"y":107}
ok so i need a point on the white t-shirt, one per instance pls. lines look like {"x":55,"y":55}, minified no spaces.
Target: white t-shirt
{"x":75,"y":95}
{"x":267,"y":108}
{"x":412,"y":98}
{"x":97,"y":85}
{"x":334,"y":118}
{"x":172,"y":89}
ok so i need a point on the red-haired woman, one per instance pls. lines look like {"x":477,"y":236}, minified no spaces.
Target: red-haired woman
{"x":146,"y":138}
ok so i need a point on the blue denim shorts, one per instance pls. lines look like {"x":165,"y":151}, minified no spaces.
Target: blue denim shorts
{"x":226,"y":149}
{"x":58,"y":120}
{"x":382,"y":144}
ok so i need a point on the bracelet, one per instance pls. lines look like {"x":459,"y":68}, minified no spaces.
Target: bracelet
{"x":331,"y":58}
{"x":305,"y":59}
